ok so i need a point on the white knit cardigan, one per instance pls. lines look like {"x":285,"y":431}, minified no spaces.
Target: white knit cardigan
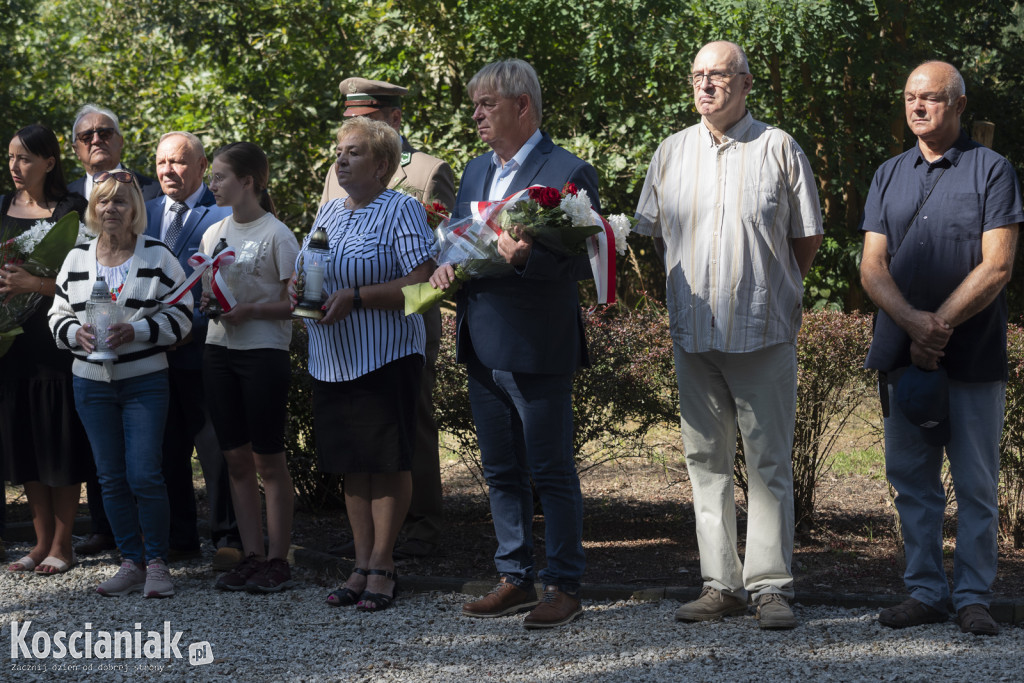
{"x":153,"y":274}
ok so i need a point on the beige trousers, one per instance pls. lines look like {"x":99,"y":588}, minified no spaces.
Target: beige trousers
{"x":757,"y":391}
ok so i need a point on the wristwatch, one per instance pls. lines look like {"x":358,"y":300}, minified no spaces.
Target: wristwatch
{"x":357,"y":301}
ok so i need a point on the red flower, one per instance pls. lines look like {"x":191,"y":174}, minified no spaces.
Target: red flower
{"x":546,"y":197}
{"x":570,"y":188}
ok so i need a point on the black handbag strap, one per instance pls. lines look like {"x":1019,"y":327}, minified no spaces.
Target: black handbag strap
{"x":913,"y":221}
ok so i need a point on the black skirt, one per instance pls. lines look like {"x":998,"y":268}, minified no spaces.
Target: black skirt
{"x":368,"y":424}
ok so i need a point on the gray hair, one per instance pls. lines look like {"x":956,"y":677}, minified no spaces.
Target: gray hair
{"x":509,"y":78}
{"x":94,"y":109}
{"x":193,"y":142}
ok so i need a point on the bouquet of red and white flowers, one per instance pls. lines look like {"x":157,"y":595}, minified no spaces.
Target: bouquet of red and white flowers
{"x":562,"y":221}
{"x":41,"y":251}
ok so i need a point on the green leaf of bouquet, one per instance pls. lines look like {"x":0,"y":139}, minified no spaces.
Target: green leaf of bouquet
{"x":55,"y":245}
{"x":421,"y":297}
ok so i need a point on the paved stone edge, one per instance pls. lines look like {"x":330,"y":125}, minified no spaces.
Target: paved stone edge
{"x":1003,"y":611}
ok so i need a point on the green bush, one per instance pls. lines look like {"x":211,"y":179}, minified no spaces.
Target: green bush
{"x":831,"y":384}
{"x":1011,"y":446}
{"x":629,"y":388}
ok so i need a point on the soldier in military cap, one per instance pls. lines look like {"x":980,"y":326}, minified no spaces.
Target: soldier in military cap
{"x":430,"y":180}
{"x":427,"y":178}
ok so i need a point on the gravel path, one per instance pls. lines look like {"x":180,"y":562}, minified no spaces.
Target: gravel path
{"x":295,"y":636}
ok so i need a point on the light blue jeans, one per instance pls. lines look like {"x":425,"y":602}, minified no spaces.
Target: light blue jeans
{"x":125,"y":423}
{"x":915,"y":470}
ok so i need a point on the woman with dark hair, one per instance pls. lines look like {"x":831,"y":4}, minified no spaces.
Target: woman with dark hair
{"x":246,"y":368}
{"x":42,"y":443}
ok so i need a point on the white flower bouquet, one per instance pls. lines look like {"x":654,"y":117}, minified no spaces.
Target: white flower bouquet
{"x":40,"y":250}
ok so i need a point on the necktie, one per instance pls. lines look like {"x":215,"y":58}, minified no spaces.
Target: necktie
{"x":174,"y":231}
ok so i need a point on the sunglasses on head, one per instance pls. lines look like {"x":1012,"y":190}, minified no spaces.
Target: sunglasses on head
{"x":86,"y":135}
{"x":119,"y":176}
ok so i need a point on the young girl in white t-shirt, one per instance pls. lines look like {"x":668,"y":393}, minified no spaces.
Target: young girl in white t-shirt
{"x":246,"y":367}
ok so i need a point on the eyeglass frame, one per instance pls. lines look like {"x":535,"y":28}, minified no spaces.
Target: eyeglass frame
{"x":105,"y":133}
{"x":125,"y":177}
{"x":698,"y":78}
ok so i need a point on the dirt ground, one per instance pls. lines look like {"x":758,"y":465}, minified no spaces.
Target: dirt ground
{"x":638,"y":529}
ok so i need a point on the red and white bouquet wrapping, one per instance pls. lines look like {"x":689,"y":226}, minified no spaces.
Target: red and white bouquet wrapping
{"x":562,"y":221}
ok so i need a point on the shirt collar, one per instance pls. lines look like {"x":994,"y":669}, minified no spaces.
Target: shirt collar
{"x":190,"y":202}
{"x":520,"y":156}
{"x":735,"y":133}
{"x":951,"y":157}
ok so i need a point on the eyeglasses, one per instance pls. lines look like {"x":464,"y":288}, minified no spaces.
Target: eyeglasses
{"x":86,"y":135}
{"x":119,"y":176}
{"x":717,"y":78}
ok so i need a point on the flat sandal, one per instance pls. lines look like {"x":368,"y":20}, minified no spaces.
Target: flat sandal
{"x":345,"y":596}
{"x":379,"y":600}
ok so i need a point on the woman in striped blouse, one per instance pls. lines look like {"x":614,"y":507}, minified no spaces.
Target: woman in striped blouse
{"x":366,"y":356}
{"x":123,"y":403}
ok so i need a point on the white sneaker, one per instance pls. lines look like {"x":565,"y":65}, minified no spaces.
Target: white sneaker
{"x":158,"y":580}
{"x":128,"y":579}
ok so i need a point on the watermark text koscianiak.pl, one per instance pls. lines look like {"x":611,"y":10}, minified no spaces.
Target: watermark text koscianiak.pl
{"x":89,"y":644}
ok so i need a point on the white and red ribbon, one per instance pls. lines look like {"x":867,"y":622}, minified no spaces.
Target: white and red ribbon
{"x":200,"y":262}
{"x":600,"y":247}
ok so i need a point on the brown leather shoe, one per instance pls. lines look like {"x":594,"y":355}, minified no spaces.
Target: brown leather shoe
{"x":557,"y":608}
{"x":95,"y":543}
{"x":911,"y":612}
{"x":505,"y":598}
{"x":977,"y":620}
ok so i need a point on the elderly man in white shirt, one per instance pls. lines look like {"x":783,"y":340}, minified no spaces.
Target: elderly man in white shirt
{"x":732,"y":205}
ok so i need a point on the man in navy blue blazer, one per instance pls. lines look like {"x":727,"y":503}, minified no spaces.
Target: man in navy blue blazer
{"x":180,"y":166}
{"x":522,"y":338}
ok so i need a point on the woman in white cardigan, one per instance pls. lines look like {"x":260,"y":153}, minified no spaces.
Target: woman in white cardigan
{"x":123,"y":403}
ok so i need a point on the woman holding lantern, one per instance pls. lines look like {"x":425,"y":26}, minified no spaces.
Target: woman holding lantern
{"x":246,"y":367}
{"x":123,"y":401}
{"x":42,"y":442}
{"x":365,"y":355}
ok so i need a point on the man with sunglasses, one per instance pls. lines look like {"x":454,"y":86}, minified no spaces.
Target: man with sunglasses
{"x":96,"y":139}
{"x":733,"y":208}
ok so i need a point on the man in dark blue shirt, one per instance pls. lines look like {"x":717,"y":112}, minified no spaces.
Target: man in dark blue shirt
{"x":940,"y":228}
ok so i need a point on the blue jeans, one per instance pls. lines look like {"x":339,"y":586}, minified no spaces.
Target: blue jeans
{"x":525,"y":429}
{"x":125,"y":423}
{"x":915,"y":470}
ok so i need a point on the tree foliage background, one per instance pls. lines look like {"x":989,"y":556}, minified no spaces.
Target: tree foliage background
{"x":614,"y":75}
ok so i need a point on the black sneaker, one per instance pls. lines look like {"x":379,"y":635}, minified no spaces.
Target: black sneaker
{"x":235,"y":579}
{"x":273,"y":576}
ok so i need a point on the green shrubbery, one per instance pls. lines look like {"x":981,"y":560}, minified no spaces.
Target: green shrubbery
{"x":1011,"y":448}
{"x":629,"y":392}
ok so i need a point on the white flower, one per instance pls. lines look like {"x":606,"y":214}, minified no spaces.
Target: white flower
{"x":27,"y":241}
{"x":621,"y":225}
{"x":577,"y":208}
{"x":84,"y":235}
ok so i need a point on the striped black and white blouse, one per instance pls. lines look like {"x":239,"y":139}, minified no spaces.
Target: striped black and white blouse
{"x":153,"y":274}
{"x":382,"y":242}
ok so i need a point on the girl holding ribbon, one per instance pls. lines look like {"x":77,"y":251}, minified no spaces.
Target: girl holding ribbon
{"x":246,"y":367}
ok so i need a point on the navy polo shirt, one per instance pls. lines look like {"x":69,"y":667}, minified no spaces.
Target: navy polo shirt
{"x":975,"y":190}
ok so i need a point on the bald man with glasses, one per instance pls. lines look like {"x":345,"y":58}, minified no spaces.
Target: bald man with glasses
{"x":733,"y":208}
